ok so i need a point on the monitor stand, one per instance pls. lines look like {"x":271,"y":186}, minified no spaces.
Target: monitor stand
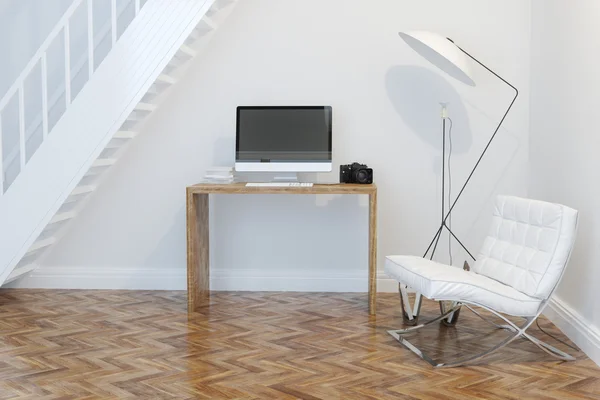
{"x":286,"y":177}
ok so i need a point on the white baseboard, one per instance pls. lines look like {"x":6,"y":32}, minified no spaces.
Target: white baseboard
{"x":582,"y":332}
{"x":103,"y":278}
{"x":385,"y":284}
{"x":47,"y":277}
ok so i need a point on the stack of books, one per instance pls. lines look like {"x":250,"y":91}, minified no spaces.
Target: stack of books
{"x":219,"y":175}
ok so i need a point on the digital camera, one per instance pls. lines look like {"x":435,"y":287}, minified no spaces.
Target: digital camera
{"x":356,"y":173}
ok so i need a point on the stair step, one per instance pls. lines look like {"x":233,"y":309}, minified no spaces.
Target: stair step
{"x":213,"y":9}
{"x":114,"y":145}
{"x":19,"y":272}
{"x":92,"y":172}
{"x":164,"y":78}
{"x":104,"y":162}
{"x":209,"y":22}
{"x":219,"y":6}
{"x":125,"y":135}
{"x":134,"y":117}
{"x":40,"y":244}
{"x":188,"y":50}
{"x":64,"y":216}
{"x":176,"y":62}
{"x":153,"y":90}
{"x":82,"y":190}
{"x":225,"y":3}
{"x":205,"y":26}
{"x":144,"y":107}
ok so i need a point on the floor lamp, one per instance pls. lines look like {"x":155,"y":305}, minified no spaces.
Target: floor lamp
{"x":453,"y":60}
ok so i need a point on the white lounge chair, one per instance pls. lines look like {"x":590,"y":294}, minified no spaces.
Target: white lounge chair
{"x":521,"y":263}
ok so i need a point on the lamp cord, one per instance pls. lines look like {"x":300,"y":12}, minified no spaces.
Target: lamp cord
{"x":450,"y":187}
{"x":537,"y":322}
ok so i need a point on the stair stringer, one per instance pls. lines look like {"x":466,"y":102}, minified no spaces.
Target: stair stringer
{"x":87,"y":126}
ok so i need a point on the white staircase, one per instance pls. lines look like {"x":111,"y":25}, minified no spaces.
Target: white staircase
{"x":44,"y":185}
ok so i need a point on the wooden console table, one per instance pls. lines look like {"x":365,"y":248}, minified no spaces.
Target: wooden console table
{"x":198,"y":263}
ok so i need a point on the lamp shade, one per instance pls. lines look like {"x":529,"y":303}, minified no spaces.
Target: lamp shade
{"x":441,"y":52}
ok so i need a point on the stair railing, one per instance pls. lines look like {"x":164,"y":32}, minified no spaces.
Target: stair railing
{"x":18,"y":87}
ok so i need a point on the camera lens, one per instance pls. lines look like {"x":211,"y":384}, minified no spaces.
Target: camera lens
{"x":362,"y":176}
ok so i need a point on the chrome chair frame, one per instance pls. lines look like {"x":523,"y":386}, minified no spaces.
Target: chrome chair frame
{"x":411,"y":313}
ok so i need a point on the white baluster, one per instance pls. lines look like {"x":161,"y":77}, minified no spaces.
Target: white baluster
{"x":1,"y":161}
{"x":22,"y":127}
{"x":35,"y":59}
{"x":90,"y":18}
{"x":67,"y":65}
{"x":44,"y":96}
{"x":113,"y":20}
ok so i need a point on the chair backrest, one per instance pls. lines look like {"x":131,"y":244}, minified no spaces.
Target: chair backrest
{"x":528,"y":245}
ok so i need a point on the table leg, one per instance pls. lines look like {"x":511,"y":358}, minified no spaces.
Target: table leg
{"x":197,"y":250}
{"x":372,"y":252}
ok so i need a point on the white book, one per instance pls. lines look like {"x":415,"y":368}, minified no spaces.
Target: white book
{"x":220,"y":169}
{"x":220,"y":177}
{"x":219,"y":181}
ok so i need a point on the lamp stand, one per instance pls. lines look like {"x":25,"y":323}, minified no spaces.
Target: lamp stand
{"x":452,"y":317}
{"x":436,"y":238}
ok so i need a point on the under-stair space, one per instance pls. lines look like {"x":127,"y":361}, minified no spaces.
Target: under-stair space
{"x":56,"y":156}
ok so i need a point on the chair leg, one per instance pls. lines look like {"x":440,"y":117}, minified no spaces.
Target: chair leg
{"x":516,"y":332}
{"x":452,"y":319}
{"x":507,"y":327}
{"x":520,"y":332}
{"x":478,"y":356}
{"x":410,"y":314}
{"x":394,"y":332}
{"x":551,"y":350}
{"x":397,"y":334}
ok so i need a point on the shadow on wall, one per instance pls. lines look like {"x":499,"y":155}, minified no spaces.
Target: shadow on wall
{"x":416,"y":93}
{"x":224,"y":151}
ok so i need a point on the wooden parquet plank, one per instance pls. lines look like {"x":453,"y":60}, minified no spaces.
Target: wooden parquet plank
{"x":60,"y":344}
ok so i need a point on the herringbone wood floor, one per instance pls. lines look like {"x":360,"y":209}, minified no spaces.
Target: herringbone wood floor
{"x":141,"y":344}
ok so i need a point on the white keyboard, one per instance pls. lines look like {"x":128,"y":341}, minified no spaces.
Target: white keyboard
{"x":279,"y":184}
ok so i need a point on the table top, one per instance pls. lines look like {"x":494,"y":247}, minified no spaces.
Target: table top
{"x":240,"y":188}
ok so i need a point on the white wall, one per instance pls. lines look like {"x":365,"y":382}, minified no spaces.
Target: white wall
{"x":386,"y":114}
{"x":564,"y":149}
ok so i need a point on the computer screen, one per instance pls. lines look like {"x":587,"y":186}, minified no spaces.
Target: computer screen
{"x":291,"y":134}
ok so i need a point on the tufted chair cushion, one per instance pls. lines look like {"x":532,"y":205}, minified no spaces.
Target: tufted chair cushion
{"x":528,"y":245}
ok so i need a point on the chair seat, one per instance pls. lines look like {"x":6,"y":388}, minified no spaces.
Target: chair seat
{"x":443,"y":282}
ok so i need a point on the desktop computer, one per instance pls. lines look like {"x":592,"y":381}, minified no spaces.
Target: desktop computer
{"x":284,"y":140}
